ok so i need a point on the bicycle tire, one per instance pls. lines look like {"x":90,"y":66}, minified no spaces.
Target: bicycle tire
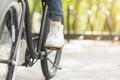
{"x":45,"y":65}
{"x":9,"y":26}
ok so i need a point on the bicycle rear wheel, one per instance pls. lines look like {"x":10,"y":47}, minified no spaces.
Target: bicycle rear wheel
{"x":51,"y":62}
{"x":8,"y":45}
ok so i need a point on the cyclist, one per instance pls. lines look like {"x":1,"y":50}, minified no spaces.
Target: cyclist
{"x":55,"y":36}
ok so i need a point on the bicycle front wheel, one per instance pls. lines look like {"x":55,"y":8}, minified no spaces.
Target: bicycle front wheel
{"x":8,"y":45}
{"x":51,"y":62}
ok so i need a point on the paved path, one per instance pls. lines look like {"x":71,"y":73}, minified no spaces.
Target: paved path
{"x":82,"y":60}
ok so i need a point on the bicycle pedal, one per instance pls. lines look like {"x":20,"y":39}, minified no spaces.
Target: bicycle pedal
{"x":54,"y":49}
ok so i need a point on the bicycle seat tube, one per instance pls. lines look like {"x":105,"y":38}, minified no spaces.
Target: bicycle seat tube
{"x":41,"y":35}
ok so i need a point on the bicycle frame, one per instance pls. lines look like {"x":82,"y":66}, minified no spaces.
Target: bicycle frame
{"x":41,"y":39}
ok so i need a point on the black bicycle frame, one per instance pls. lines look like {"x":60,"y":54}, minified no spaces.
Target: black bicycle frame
{"x":41,"y":39}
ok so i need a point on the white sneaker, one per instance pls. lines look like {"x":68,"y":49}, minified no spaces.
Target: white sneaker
{"x":55,"y":36}
{"x":23,"y":47}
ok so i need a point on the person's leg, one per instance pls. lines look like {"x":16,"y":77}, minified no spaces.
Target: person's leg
{"x":55,"y":9}
{"x":55,"y":37}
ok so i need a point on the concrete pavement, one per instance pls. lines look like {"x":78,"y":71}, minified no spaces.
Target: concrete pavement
{"x":82,"y":60}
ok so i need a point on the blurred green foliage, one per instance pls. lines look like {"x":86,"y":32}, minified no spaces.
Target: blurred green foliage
{"x":87,"y":15}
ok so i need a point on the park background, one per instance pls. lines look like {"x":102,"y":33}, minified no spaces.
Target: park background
{"x":84,"y":16}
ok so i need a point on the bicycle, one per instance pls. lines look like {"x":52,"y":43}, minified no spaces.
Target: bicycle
{"x":18,"y":16}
